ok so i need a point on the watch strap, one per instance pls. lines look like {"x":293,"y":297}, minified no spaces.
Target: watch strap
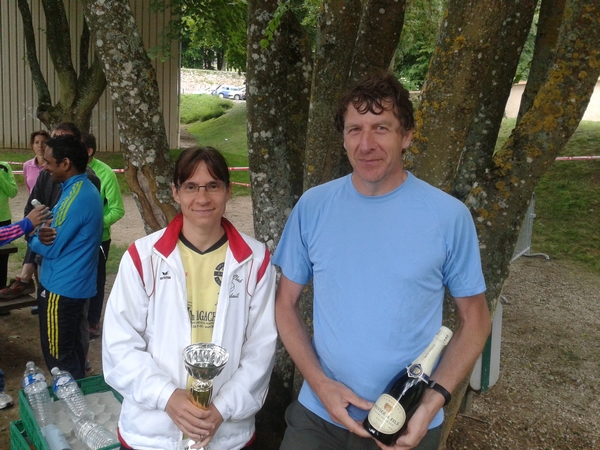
{"x":442,"y":390}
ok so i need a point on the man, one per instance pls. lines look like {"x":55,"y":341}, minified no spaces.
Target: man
{"x":381,"y":247}
{"x":47,"y":193}
{"x":113,"y":211}
{"x":69,"y":247}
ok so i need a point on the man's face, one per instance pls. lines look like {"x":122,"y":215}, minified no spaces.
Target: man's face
{"x":374,"y":144}
{"x":57,"y":169}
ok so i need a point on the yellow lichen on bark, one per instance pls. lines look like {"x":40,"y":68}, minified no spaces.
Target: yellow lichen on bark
{"x":458,"y":43}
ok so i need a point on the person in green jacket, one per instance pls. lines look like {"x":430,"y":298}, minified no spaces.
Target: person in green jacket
{"x":113,"y":211}
{"x":8,"y":189}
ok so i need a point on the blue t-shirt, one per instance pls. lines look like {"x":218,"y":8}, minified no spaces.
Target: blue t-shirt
{"x":380,"y":266}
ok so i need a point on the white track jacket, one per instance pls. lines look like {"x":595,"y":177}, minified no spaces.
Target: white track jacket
{"x":147,"y":326}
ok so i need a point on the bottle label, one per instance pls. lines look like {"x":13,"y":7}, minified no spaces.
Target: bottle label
{"x":387,"y":415}
{"x":61,"y":381}
{"x":33,"y":378}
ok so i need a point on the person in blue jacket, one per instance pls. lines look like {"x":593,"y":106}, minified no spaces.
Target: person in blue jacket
{"x":9,"y":233}
{"x":69,"y":247}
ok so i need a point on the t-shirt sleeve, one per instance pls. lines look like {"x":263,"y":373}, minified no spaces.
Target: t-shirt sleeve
{"x":292,"y":254}
{"x":462,"y":271}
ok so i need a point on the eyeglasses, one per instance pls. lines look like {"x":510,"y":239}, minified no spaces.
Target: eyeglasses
{"x":212,"y":188}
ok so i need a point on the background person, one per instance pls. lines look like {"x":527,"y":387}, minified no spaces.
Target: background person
{"x":48,"y":193}
{"x":33,"y":167}
{"x":69,"y":247}
{"x":113,"y":211}
{"x":381,"y":247}
{"x":198,"y":280}
{"x":24,"y":285}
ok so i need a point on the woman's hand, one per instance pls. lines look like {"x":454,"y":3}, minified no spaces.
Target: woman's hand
{"x":196,"y":423}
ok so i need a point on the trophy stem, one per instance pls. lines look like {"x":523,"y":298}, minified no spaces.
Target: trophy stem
{"x":201,"y":392}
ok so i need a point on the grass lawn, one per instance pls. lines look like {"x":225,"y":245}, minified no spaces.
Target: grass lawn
{"x":567,"y":209}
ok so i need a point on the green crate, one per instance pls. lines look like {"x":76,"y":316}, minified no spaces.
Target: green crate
{"x":90,"y":385}
{"x":18,"y":436}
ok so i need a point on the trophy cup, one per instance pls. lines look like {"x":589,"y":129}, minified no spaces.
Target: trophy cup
{"x":203,"y":362}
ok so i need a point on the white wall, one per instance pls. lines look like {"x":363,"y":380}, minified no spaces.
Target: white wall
{"x":592,"y":112}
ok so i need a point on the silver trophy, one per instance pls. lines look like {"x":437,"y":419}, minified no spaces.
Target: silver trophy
{"x":203,"y":362}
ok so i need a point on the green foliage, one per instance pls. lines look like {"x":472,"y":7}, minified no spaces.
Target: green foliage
{"x":417,"y":42}
{"x":201,"y":107}
{"x":214,"y":29}
{"x":114,"y":258}
{"x":273,"y":24}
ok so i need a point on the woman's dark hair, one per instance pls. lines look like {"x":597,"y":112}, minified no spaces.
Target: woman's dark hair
{"x":375,"y":93}
{"x":33,"y":135}
{"x":68,"y":146}
{"x":190,"y":158}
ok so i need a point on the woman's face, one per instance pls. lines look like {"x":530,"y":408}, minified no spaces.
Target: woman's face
{"x":39,"y":145}
{"x":202,"y":206}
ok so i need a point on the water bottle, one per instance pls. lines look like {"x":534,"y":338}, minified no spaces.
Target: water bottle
{"x":67,"y":390}
{"x":36,"y":391}
{"x":55,"y":439}
{"x":47,"y":212}
{"x":94,"y":435}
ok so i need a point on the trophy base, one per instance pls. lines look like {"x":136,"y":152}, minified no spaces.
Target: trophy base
{"x":188,"y":444}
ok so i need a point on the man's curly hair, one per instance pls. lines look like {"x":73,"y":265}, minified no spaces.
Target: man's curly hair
{"x":377,"y":92}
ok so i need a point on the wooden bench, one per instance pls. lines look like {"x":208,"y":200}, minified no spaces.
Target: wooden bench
{"x":8,"y":249}
{"x":19,"y":302}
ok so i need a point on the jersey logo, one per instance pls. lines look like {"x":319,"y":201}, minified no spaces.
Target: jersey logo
{"x":236,"y":282}
{"x":218,"y":273}
{"x":165,"y":275}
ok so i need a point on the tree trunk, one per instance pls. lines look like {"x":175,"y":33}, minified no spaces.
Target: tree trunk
{"x":134,"y":92}
{"x":78,"y":93}
{"x":278,"y":85}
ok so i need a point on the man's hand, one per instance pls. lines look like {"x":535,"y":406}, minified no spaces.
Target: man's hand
{"x":197,"y":424}
{"x":418,"y":423}
{"x":336,"y":398}
{"x":37,"y":215}
{"x":46,"y":233}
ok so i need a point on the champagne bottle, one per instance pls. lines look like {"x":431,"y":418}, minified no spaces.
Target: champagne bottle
{"x":393,"y":409}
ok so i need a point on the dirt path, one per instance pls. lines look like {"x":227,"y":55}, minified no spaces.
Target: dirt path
{"x":548,"y":394}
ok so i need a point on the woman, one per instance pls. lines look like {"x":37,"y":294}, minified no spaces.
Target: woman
{"x":33,"y":167}
{"x":198,"y":280}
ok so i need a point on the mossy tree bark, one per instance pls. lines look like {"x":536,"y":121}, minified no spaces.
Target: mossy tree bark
{"x":134,"y":92}
{"x":79,"y":91}
{"x":278,"y":85}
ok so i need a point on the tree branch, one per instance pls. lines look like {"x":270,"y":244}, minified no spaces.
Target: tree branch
{"x":536,"y":141}
{"x":551,"y":17}
{"x":44,"y":100}
{"x":59,"y":48}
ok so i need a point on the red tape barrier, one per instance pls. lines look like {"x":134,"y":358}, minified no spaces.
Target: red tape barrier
{"x":231,"y":169}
